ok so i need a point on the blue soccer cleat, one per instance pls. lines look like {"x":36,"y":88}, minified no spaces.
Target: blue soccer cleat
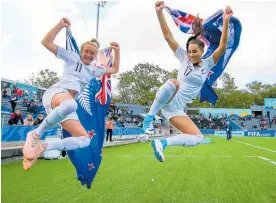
{"x":147,"y":125}
{"x":158,"y":147}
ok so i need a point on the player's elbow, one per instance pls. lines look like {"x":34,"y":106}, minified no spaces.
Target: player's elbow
{"x":113,"y":70}
{"x":44,"y":43}
{"x":116,"y":70}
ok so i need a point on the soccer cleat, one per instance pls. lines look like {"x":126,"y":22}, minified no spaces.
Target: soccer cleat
{"x":206,"y":141}
{"x":147,"y":126}
{"x":30,"y":145}
{"x":27,"y":163}
{"x":39,"y":149}
{"x":158,"y":147}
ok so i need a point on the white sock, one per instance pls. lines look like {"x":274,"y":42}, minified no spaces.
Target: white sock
{"x":59,"y":113}
{"x":184,"y":140}
{"x":163,"y":95}
{"x":69,"y":143}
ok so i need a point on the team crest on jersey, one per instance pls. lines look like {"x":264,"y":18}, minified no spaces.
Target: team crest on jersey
{"x":84,"y":100}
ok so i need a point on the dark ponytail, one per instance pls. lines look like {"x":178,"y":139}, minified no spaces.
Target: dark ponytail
{"x":197,"y":31}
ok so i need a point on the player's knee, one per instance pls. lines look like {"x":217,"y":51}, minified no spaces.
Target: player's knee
{"x":68,"y":106}
{"x":176,"y":83}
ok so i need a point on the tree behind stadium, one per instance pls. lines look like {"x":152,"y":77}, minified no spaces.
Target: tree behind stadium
{"x":139,"y":85}
{"x":45,"y":78}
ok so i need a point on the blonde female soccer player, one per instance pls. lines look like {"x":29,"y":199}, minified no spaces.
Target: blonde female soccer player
{"x":59,"y":100}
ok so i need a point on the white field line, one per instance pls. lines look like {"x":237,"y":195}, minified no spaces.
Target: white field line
{"x":221,"y":156}
{"x":266,"y":159}
{"x":255,"y":146}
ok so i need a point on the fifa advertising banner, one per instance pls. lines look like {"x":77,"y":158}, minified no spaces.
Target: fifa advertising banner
{"x":260,"y":133}
{"x":233,"y":133}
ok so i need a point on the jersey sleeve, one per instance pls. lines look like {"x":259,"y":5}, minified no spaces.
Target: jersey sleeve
{"x":98,"y":72}
{"x":209,"y":63}
{"x":181,"y":54}
{"x":66,"y":55}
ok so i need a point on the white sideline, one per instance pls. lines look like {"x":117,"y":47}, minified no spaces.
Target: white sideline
{"x":266,"y":159}
{"x":251,"y":156}
{"x":221,"y":156}
{"x":255,"y":146}
{"x":197,"y":156}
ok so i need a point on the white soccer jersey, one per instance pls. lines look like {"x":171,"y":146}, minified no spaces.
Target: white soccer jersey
{"x":191,"y":77}
{"x":76,"y":74}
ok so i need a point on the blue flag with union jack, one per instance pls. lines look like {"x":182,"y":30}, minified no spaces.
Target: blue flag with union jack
{"x":211,"y":37}
{"x":104,"y":59}
{"x":91,"y":114}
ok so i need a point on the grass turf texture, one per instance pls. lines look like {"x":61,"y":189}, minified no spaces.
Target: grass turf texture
{"x":189,"y":174}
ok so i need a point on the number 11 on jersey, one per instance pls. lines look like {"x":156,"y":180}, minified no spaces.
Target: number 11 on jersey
{"x":79,"y":67}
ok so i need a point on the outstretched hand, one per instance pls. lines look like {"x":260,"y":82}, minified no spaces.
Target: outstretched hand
{"x":115,"y":46}
{"x":159,"y":5}
{"x":227,"y":13}
{"x":64,"y":22}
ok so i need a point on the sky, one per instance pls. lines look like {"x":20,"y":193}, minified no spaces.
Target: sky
{"x":134,"y":25}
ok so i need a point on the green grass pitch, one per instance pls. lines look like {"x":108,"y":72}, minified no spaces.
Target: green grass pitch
{"x":221,"y":172}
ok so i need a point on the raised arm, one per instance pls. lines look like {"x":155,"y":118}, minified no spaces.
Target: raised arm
{"x":48,"y":40}
{"x":159,"y":5}
{"x":224,"y":36}
{"x":116,"y":63}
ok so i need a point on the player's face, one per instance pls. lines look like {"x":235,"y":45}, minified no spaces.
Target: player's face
{"x":88,"y":53}
{"x":195,"y":53}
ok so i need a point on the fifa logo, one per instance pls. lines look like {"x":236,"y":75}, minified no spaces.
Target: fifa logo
{"x":257,"y":134}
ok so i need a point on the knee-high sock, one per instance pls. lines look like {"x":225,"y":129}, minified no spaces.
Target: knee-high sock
{"x":184,"y":140}
{"x":69,"y":143}
{"x":57,"y":115}
{"x":163,"y":95}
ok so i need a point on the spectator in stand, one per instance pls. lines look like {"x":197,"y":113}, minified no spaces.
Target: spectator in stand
{"x":122,"y":120}
{"x":4,"y":90}
{"x":41,"y":109}
{"x":19,"y":92}
{"x":29,"y":120}
{"x":13,"y":102}
{"x":14,"y":90}
{"x":15,"y":117}
{"x":265,"y":126}
{"x":34,"y":108}
{"x":39,"y":119}
{"x":25,"y":101}
{"x":119,"y":111}
{"x":8,"y":92}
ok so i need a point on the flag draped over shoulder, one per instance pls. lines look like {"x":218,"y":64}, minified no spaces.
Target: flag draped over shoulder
{"x":211,"y":37}
{"x":91,"y":114}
